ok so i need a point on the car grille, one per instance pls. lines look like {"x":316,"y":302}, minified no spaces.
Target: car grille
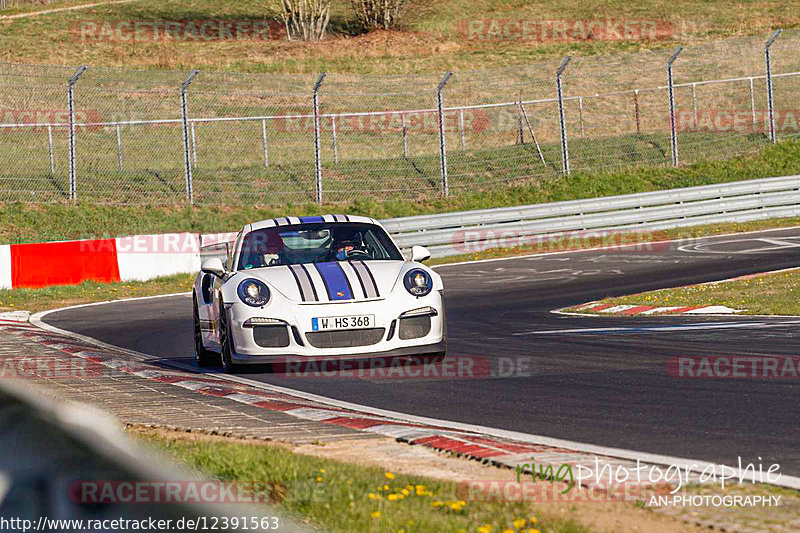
{"x":345,"y":338}
{"x":414,"y":327}
{"x":271,"y":336}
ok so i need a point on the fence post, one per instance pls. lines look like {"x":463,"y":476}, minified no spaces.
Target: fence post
{"x":673,"y":134}
{"x":442,"y":145}
{"x":564,"y":146}
{"x":119,"y":148}
{"x":752,"y":103}
{"x":264,"y":139}
{"x":580,"y":114}
{"x":194,"y":146}
{"x":50,"y":146}
{"x":769,"y":84}
{"x":187,"y":163}
{"x":636,"y":111}
{"x":3,"y":5}
{"x":71,"y":112}
{"x":317,"y":151}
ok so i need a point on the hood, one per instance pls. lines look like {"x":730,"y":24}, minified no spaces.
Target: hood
{"x":341,"y":281}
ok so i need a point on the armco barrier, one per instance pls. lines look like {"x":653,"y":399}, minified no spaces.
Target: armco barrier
{"x":142,"y":257}
{"x":459,"y":232}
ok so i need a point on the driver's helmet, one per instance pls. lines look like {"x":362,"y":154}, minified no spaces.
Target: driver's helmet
{"x":345,"y":243}
{"x":342,"y":248}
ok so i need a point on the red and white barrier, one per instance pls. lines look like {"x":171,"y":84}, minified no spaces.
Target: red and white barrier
{"x":138,"y":257}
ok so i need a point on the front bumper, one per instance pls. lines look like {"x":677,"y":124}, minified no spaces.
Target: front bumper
{"x":297,"y":319}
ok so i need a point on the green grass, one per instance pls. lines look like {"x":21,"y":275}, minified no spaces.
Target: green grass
{"x":771,"y":294}
{"x":336,"y":495}
{"x":90,"y":291}
{"x":36,"y":223}
{"x":429,"y":41}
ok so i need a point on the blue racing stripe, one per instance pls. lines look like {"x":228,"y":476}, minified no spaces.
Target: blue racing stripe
{"x":335,"y":281}
{"x":311,"y":220}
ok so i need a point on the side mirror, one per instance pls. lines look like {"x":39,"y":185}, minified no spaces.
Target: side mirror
{"x":213,"y":265}
{"x":420,"y":254}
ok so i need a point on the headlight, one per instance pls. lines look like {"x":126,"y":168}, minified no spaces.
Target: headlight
{"x":253,"y":292}
{"x":418,"y":282}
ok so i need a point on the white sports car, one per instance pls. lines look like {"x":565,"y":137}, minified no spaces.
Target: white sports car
{"x":333,"y":285}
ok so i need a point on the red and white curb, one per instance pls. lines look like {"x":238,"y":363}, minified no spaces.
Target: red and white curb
{"x":592,"y":308}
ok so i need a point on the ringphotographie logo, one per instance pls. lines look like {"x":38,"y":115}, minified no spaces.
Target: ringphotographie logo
{"x":144,"y":31}
{"x":565,"y":30}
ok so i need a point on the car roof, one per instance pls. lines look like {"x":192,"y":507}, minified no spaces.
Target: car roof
{"x":287,"y":221}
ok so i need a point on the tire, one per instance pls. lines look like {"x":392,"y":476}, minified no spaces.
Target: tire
{"x":226,"y":340}
{"x":202,"y":356}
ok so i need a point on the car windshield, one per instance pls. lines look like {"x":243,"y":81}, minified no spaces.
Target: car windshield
{"x":315,"y":243}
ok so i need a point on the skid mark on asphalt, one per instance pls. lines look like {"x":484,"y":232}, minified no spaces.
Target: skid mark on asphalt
{"x":658,"y":328}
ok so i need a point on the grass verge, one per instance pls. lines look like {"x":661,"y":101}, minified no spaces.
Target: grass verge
{"x":431,"y":39}
{"x":768,"y":294}
{"x":37,"y":223}
{"x":35,"y":300}
{"x":349,"y":497}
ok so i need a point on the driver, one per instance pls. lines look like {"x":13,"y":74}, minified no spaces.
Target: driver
{"x":346,"y":244}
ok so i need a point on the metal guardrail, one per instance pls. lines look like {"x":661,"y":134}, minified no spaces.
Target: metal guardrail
{"x":468,"y":231}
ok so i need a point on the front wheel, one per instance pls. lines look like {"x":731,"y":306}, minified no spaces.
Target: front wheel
{"x":226,"y":342}
{"x":202,"y":356}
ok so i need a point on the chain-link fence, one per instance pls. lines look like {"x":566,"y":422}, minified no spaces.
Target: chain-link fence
{"x":166,"y":137}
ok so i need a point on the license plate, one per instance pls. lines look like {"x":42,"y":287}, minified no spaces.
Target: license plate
{"x":342,"y":322}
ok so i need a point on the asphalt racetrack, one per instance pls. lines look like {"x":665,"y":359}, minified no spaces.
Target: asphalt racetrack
{"x":595,"y":385}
